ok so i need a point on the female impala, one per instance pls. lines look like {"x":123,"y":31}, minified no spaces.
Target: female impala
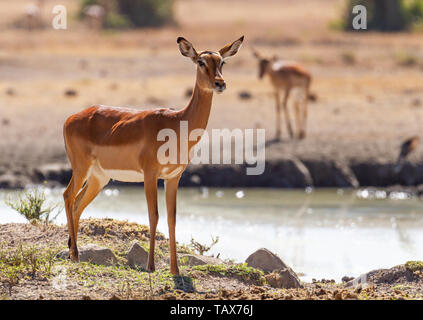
{"x":285,"y":76}
{"x":106,"y":143}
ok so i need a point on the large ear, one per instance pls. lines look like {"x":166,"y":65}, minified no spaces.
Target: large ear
{"x":187,"y":49}
{"x":232,"y":48}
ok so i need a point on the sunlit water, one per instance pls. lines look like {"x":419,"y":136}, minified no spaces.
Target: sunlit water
{"x":321,"y":234}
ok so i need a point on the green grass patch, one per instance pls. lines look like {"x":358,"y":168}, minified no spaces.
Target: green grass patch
{"x":414,"y":266}
{"x":240,"y":271}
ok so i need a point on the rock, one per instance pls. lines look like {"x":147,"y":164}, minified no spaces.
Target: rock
{"x":93,"y":254}
{"x":10,"y":181}
{"x":302,"y":169}
{"x":197,"y":260}
{"x":137,"y":256}
{"x":245,"y":95}
{"x":416,"y":102}
{"x":71,"y":93}
{"x":10,"y":92}
{"x":53,"y":172}
{"x":327,"y":173}
{"x":265,"y":260}
{"x":283,"y":279}
{"x":346,"y":175}
{"x":312,"y":97}
{"x":395,"y":275}
{"x":347,"y":279}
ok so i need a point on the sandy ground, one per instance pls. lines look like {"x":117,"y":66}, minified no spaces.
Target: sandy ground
{"x":370,"y":95}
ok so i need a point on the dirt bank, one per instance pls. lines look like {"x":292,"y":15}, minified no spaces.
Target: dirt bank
{"x":29,"y":270}
{"x":286,"y":172}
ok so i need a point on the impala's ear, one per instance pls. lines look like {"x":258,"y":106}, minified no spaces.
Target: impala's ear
{"x":256,"y":54}
{"x":232,"y":48}
{"x":187,"y":49}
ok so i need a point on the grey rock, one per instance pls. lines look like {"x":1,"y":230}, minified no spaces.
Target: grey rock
{"x":10,"y":181}
{"x":346,"y":174}
{"x":395,"y":275}
{"x":265,"y":260}
{"x":347,"y":279}
{"x":284,"y":279}
{"x":197,"y":260}
{"x":53,"y":172}
{"x":137,"y":256}
{"x":93,"y":254}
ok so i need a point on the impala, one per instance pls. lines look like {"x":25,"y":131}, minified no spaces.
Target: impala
{"x":105,"y":143}
{"x":286,"y":75}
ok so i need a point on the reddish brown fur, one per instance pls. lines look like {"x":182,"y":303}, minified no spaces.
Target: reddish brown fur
{"x":286,"y":76}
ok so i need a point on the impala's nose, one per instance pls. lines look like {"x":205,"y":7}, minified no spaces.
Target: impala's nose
{"x":220,"y":85}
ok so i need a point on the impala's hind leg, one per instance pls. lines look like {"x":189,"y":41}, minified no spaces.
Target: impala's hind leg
{"x":150,"y":188}
{"x":298,"y":120}
{"x":77,"y":181}
{"x":278,"y":116}
{"x":304,"y":113}
{"x":69,"y":211}
{"x":285,"y":109}
{"x":92,"y":188}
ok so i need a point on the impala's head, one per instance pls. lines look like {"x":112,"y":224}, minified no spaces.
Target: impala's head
{"x":263,"y":63}
{"x":210,"y":63}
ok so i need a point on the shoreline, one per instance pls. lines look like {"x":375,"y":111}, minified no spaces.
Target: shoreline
{"x":288,"y":172}
{"x":204,"y":277}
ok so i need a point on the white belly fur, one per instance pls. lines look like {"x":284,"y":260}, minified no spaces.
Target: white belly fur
{"x":125,"y":175}
{"x":172,"y":174}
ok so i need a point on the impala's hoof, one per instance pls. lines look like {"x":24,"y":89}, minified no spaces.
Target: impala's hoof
{"x":151,"y":268}
{"x":74,"y":255}
{"x":175,"y":272}
{"x":74,"y":258}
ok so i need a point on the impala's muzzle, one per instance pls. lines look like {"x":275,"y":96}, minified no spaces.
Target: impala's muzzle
{"x":219,"y":85}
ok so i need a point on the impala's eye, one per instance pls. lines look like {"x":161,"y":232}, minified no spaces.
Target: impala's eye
{"x":201,"y":63}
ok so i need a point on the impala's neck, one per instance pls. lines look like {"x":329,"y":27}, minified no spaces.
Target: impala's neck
{"x":197,"y":111}
{"x":269,"y":68}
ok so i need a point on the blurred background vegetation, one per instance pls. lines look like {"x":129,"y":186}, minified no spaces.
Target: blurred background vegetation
{"x":382,"y":15}
{"x":129,"y":13}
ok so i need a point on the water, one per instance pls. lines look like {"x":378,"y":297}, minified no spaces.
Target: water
{"x":320,"y":234}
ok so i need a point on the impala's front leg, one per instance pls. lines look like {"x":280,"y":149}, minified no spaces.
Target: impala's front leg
{"x":171,"y":190}
{"x":287,"y":117}
{"x":150,"y":186}
{"x":278,"y":116}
